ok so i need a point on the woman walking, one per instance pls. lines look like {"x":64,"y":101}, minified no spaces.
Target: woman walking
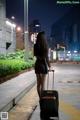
{"x":42,"y":62}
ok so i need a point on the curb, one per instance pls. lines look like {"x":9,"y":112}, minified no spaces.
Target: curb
{"x":15,"y":100}
{"x":9,"y":77}
{"x":32,"y":112}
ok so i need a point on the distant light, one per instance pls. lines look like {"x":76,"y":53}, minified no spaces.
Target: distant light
{"x":69,"y":51}
{"x":10,"y":24}
{"x":37,"y":33}
{"x":18,"y":29}
{"x":69,"y":54}
{"x":33,"y":37}
{"x":26,"y":32}
{"x":54,"y":55}
{"x":75,"y":51}
{"x":37,"y":25}
{"x":13,"y":17}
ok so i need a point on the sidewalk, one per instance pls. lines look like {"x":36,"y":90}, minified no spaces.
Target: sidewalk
{"x":25,"y":107}
{"x":12,"y":90}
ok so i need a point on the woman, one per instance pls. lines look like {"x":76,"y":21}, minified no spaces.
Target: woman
{"x":42,"y":62}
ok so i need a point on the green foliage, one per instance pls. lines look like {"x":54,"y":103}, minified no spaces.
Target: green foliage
{"x":13,"y":66}
{"x":14,"y":62}
{"x":2,"y":57}
{"x":17,"y":55}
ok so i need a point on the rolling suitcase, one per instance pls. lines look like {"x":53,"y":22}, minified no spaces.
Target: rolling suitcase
{"x":49,"y":103}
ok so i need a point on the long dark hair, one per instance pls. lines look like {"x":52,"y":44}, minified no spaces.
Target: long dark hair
{"x":42,"y":43}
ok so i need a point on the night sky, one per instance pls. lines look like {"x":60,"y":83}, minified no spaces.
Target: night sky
{"x":47,"y":11}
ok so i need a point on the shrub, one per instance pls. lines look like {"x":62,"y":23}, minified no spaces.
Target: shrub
{"x":14,"y":62}
{"x":13,"y":66}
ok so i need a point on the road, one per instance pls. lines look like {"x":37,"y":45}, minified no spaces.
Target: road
{"x":67,"y":82}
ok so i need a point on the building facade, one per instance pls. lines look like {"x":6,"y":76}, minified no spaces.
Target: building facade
{"x":10,"y":36}
{"x":2,"y":26}
{"x":7,"y":31}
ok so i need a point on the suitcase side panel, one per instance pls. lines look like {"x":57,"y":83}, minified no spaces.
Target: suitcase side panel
{"x":49,"y":103}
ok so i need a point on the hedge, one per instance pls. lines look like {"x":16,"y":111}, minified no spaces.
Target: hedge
{"x":8,"y":67}
{"x":16,"y":55}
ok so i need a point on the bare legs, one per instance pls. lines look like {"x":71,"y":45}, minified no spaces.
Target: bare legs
{"x":40,"y":83}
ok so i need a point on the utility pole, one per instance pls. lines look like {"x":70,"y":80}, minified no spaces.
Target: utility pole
{"x":26,"y":30}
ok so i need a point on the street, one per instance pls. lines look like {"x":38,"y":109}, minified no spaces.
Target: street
{"x":67,"y":82}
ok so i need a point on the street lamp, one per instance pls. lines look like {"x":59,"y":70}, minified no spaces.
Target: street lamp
{"x":18,"y":29}
{"x":37,"y":25}
{"x":26,"y":32}
{"x":12,"y":17}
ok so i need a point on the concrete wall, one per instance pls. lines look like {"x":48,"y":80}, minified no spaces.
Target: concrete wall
{"x":2,"y":26}
{"x":7,"y":35}
{"x":2,"y":9}
{"x":11,"y":38}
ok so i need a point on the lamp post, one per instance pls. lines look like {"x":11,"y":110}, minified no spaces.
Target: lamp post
{"x":13,"y":18}
{"x":18,"y":29}
{"x":26,"y":31}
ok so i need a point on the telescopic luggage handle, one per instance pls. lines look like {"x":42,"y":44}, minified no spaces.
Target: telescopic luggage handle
{"x":48,"y":79}
{"x":51,"y":70}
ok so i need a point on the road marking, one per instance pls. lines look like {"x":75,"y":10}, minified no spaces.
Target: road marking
{"x":70,"y":110}
{"x":69,"y":81}
{"x":70,"y":90}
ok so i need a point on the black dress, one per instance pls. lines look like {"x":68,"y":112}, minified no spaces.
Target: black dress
{"x":41,"y":61}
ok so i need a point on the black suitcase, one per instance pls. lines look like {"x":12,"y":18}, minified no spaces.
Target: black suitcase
{"x":49,"y":103}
